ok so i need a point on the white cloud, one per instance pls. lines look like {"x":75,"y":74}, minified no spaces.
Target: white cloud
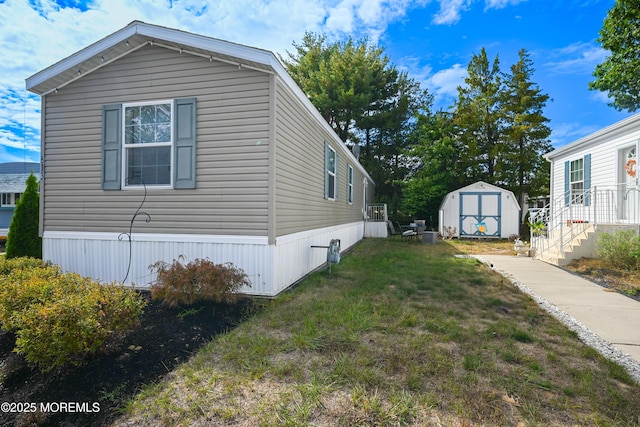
{"x":602,"y":97}
{"x":500,"y":4}
{"x":450,"y":10}
{"x":576,"y":58}
{"x":444,"y":84}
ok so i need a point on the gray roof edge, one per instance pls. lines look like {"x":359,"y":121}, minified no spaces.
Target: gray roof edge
{"x":153,"y":31}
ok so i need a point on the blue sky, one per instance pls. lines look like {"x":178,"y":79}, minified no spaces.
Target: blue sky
{"x":433,"y":40}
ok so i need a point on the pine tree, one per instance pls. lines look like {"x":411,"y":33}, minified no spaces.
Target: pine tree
{"x":480,"y":117}
{"x":523,"y":169}
{"x":23,"y":238}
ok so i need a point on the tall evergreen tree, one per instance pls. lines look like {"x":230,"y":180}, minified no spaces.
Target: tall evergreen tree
{"x":480,"y":117}
{"x":496,"y":132}
{"x":23,"y":238}
{"x":345,"y":81}
{"x":522,"y":168}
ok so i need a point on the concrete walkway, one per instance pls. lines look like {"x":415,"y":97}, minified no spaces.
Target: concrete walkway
{"x":613,"y":317}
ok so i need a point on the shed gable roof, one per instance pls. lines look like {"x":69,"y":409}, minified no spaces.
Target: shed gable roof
{"x":481,"y":187}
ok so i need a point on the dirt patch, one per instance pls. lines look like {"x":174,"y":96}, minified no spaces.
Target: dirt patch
{"x":94,"y":393}
{"x":626,"y":282}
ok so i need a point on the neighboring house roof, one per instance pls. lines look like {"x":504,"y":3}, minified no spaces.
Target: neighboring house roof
{"x":624,"y":126}
{"x":13,"y":176}
{"x":19,"y":167}
{"x":138,"y":34}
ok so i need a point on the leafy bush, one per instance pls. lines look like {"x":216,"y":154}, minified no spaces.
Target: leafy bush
{"x":71,"y":327}
{"x":22,"y":288}
{"x":620,"y":249}
{"x":7,"y":265}
{"x":199,"y":280}
{"x":61,"y":318}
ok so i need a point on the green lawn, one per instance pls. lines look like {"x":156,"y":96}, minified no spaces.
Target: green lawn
{"x":401,"y":334}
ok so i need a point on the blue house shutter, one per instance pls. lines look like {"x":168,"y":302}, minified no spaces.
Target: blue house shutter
{"x":326,"y":169}
{"x":111,"y":146}
{"x":184,"y":172}
{"x":567,"y":183}
{"x":587,"y":179}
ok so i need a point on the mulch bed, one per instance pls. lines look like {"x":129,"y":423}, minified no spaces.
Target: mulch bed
{"x":165,"y":338}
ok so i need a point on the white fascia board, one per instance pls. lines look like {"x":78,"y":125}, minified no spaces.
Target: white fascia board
{"x":222,"y":47}
{"x":80,"y":56}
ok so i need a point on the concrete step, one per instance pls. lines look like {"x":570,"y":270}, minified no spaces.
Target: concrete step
{"x":581,"y":246}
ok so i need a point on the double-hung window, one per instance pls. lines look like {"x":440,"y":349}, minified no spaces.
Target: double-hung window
{"x":577,"y":181}
{"x":349,"y":184}
{"x":330,"y":173}
{"x":576,"y":176}
{"x":148,"y":141}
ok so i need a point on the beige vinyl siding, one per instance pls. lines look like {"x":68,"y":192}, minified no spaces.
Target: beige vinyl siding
{"x":300,"y":202}
{"x":231,"y":195}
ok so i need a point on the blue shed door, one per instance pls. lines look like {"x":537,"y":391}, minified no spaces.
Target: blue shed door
{"x":480,"y":214}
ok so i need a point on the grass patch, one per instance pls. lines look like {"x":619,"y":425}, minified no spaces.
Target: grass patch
{"x":400,"y":334}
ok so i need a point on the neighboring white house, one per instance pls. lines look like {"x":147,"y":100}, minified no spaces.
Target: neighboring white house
{"x":479,"y":210}
{"x":594,"y":187}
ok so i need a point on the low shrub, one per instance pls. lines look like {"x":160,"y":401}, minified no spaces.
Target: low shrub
{"x":66,"y":330}
{"x":21,"y":288}
{"x":60,"y":318}
{"x":7,"y":265}
{"x":199,"y":280}
{"x":620,"y":249}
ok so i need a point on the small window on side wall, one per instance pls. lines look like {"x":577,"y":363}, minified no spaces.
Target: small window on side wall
{"x":349,"y":184}
{"x":330,"y":173}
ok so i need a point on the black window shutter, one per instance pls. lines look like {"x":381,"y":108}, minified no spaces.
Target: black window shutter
{"x":184,"y":173}
{"x":111,"y":146}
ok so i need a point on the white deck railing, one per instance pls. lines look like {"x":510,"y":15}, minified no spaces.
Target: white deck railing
{"x":377,"y":213}
{"x":563,"y":222}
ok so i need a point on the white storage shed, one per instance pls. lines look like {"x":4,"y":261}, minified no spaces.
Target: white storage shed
{"x":479,"y":210}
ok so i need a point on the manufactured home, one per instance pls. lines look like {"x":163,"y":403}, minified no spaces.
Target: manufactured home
{"x":594,"y":188}
{"x":479,"y":210}
{"x":159,"y":143}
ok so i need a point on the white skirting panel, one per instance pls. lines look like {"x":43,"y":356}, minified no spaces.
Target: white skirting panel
{"x":103,"y":257}
{"x":295,"y":256}
{"x":376,"y":229}
{"x":270,"y":268}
